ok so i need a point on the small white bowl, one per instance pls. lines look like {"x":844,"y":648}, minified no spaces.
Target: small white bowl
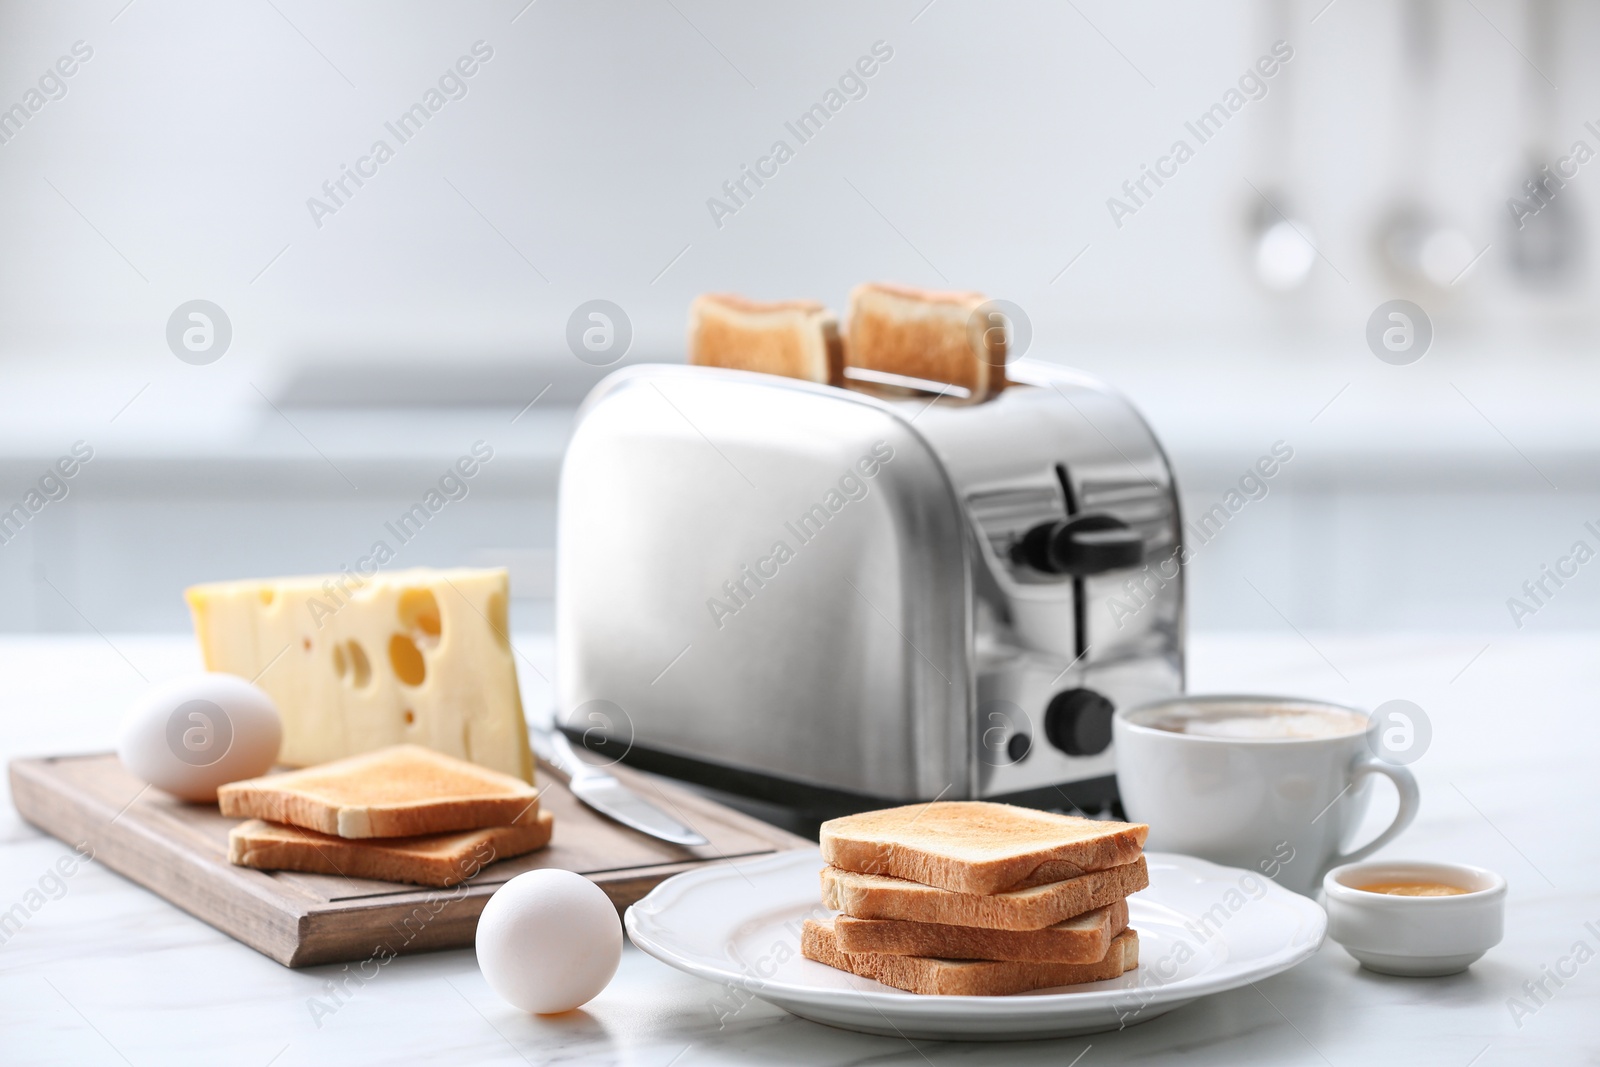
{"x":1415,"y":936}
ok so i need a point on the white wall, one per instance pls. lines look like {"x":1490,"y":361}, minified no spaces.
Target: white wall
{"x":179,"y":162}
{"x":591,"y":141}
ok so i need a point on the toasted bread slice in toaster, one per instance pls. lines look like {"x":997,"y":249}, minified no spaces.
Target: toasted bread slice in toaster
{"x":436,"y":860}
{"x":792,"y":338}
{"x":399,"y":791}
{"x":1082,"y":939}
{"x":877,"y":896}
{"x":965,"y":978}
{"x":973,"y":846}
{"x":925,"y":334}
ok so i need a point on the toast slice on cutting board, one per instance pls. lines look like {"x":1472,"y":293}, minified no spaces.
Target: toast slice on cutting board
{"x":400,"y":791}
{"x":977,"y":847}
{"x":928,"y":335}
{"x":792,"y":338}
{"x":1083,"y":939}
{"x":965,"y":978}
{"x":438,"y":860}
{"x":877,"y":896}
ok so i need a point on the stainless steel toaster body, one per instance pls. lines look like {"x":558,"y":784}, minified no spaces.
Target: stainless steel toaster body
{"x":816,"y":594}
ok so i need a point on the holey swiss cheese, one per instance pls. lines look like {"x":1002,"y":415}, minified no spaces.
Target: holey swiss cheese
{"x":420,"y":656}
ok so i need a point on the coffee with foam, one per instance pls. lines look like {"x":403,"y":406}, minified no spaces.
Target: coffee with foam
{"x":1258,"y":723}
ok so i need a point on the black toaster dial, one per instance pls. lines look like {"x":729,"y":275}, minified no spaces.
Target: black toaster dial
{"x":1078,"y":722}
{"x":1082,"y":545}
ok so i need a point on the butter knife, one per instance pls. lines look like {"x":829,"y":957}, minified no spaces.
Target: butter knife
{"x":602,"y":791}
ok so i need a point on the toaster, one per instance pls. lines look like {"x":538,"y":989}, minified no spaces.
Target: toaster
{"x":836,"y":598}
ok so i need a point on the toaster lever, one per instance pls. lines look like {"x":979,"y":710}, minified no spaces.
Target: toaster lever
{"x":1082,"y":545}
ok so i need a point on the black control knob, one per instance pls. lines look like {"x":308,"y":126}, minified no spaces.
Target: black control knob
{"x":1078,"y":722}
{"x":1081,"y":546}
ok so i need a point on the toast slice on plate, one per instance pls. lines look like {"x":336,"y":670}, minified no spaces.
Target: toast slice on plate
{"x":792,"y":338}
{"x":1083,"y":939}
{"x":965,"y":978}
{"x":436,"y":860}
{"x":877,"y":896}
{"x":400,"y":791}
{"x":928,"y":335}
{"x":971,"y":846}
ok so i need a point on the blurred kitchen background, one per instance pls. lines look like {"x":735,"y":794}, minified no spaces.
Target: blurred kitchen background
{"x":375,"y":338}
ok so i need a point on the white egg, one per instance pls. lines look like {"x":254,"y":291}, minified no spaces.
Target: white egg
{"x":549,"y":941}
{"x":198,"y":731}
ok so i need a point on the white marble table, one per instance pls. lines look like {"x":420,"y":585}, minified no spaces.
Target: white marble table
{"x":105,"y":972}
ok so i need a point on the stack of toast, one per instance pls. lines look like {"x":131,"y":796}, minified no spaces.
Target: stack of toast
{"x":400,"y":814}
{"x":897,"y":334}
{"x":969,"y":898}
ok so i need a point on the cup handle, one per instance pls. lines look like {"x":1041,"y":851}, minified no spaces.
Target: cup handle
{"x":1366,"y":764}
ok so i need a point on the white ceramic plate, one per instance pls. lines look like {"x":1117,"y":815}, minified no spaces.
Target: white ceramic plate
{"x":1202,"y":929}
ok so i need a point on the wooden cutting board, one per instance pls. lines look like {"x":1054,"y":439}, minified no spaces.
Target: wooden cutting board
{"x":180,"y":852}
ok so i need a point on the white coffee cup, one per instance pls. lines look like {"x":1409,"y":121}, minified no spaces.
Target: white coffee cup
{"x":1271,"y":784}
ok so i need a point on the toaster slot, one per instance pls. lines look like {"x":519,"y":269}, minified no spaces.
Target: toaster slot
{"x":1066,"y":488}
{"x":1080,"y":615}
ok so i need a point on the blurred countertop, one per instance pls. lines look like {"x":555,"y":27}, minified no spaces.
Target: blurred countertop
{"x":1474,"y":418}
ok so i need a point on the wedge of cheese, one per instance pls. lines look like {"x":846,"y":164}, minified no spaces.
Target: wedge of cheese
{"x":357,"y":663}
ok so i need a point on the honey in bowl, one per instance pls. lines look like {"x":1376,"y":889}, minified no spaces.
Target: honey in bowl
{"x":1413,"y":889}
